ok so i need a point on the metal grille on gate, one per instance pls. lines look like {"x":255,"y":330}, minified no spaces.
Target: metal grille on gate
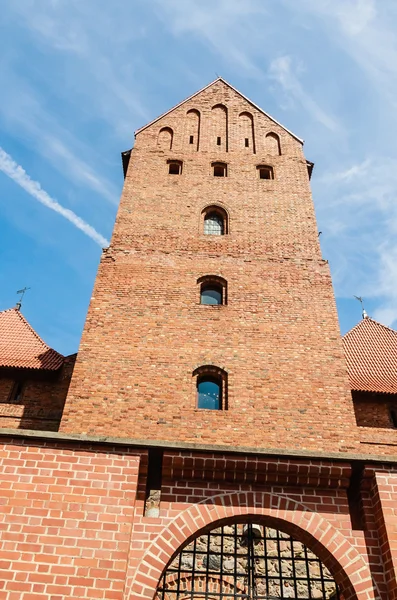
{"x":246,"y":561}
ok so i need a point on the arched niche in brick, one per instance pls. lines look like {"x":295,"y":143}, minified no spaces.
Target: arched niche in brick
{"x":165,"y":138}
{"x":340,"y":557}
{"x":193,"y":120}
{"x":272,"y":144}
{"x":219,"y":128}
{"x":246,"y":132}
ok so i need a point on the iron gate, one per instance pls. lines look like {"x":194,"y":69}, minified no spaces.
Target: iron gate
{"x":246,"y":561}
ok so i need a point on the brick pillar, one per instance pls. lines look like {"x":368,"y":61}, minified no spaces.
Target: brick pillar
{"x":385,"y":512}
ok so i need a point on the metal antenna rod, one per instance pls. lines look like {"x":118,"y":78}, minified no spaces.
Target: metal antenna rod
{"x":363,"y":311}
{"x":22,"y":292}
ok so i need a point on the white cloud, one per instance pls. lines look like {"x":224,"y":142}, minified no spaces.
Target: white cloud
{"x":364,"y":30}
{"x":358,"y":213}
{"x":10,"y":168}
{"x":282,"y":72}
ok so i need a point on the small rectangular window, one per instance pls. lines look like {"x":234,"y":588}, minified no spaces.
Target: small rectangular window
{"x":174,"y":168}
{"x":393,"y":417}
{"x":265,"y":172}
{"x":218,"y":141}
{"x":191,"y":139}
{"x":220,"y":171}
{"x":247,"y":142}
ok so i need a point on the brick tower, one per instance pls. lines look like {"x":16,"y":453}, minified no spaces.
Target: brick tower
{"x":210,"y":446}
{"x":272,"y":341}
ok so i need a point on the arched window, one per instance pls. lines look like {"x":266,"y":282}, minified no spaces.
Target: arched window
{"x":219,"y":169}
{"x":215,"y":221}
{"x":213,"y":224}
{"x":265,"y":172}
{"x":174,"y":167}
{"x":209,"y":392}
{"x":212,"y":290}
{"x":211,"y":387}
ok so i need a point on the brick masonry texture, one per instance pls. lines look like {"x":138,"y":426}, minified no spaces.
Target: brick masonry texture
{"x":42,"y":400}
{"x":72,"y":523}
{"x":73,"y":514}
{"x":278,"y":336}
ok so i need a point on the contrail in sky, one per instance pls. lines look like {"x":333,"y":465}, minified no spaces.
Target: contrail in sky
{"x":19,"y":175}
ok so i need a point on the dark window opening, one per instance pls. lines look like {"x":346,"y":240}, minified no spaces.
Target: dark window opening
{"x":211,"y":294}
{"x":213,"y":290}
{"x":191,"y":139}
{"x":214,"y":224}
{"x":220,"y":169}
{"x":265,"y":172}
{"x":174,"y":167}
{"x":218,"y":141}
{"x":247,"y":142}
{"x":17,"y":391}
{"x":393,"y":417}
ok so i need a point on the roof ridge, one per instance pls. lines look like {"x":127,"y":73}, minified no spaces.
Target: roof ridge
{"x":359,"y":324}
{"x":205,"y":88}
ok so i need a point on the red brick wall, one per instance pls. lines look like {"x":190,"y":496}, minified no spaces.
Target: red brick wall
{"x":278,"y":337}
{"x":65,"y":519}
{"x":72,"y":524}
{"x":41,"y":403}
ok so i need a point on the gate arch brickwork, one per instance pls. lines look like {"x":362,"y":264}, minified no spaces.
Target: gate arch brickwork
{"x":343,"y":560}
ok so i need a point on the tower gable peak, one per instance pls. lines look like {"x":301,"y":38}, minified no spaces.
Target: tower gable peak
{"x":213,"y":83}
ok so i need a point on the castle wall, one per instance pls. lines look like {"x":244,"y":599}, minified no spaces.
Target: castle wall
{"x":41,"y":402}
{"x":73,"y":524}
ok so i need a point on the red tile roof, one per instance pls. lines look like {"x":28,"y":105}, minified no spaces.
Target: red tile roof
{"x":371,"y":355}
{"x":21,"y":347}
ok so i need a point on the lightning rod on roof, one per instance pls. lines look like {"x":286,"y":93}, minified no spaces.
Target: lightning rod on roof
{"x":361,"y":301}
{"x":22,"y":292}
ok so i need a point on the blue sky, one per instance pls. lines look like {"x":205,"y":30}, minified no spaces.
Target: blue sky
{"x":79,"y":77}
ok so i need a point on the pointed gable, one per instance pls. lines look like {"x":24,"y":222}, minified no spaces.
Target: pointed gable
{"x":207,"y":87}
{"x":371,"y":355}
{"x":21,"y":347}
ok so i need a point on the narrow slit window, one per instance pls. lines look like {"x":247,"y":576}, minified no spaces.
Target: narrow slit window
{"x":247,"y":142}
{"x":220,"y":169}
{"x":218,"y":141}
{"x":174,"y":167}
{"x":265,"y":172}
{"x":17,"y":391}
{"x":191,"y":139}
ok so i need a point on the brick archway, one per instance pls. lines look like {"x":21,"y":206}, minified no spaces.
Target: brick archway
{"x":339,"y":556}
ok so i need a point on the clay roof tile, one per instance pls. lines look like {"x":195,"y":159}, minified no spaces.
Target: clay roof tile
{"x":21,"y":347}
{"x":371,"y":356}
